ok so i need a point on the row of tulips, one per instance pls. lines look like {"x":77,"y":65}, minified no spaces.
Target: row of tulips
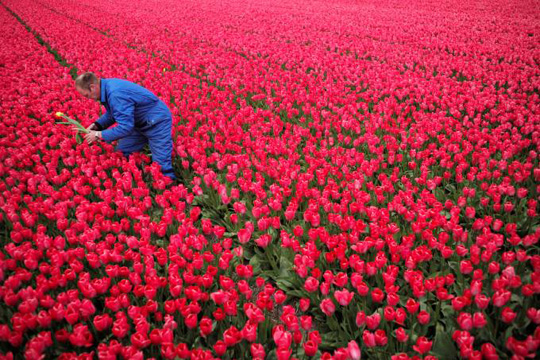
{"x":376,"y":196}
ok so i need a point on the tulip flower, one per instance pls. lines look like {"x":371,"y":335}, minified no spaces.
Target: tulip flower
{"x":423,"y":345}
{"x":343,"y":297}
{"x":328,"y":307}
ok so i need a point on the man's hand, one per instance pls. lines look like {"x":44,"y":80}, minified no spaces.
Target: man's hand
{"x":92,"y":127}
{"x":92,"y":136}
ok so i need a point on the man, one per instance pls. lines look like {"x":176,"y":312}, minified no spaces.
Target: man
{"x":141,"y":116}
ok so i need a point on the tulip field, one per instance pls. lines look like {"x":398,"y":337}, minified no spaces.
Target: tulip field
{"x":357,"y":180}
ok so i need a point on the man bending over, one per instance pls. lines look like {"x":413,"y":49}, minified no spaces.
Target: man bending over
{"x":141,"y":116}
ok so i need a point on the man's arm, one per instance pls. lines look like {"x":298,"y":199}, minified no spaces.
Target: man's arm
{"x":105,"y":121}
{"x":122,"y":109}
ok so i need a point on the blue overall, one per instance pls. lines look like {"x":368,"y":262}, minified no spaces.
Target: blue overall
{"x":141,"y":117}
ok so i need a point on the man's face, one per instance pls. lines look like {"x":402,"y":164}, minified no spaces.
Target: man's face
{"x":92,"y":92}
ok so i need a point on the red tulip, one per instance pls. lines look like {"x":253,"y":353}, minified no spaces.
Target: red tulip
{"x":368,"y":338}
{"x":205,"y":326}
{"x":257,"y":351}
{"x":401,"y":335}
{"x":423,"y":317}
{"x":81,"y":336}
{"x":282,"y":338}
{"x":412,"y":306}
{"x":353,"y":350}
{"x":220,"y":347}
{"x":311,"y":284}
{"x":244,"y":235}
{"x":327,"y":306}
{"x":373,"y":321}
{"x":343,"y":297}
{"x":377,"y":295}
{"x":232,"y":336}
{"x":479,"y":320}
{"x":508,"y":315}
{"x":310,"y":348}
{"x":102,"y":322}
{"x":304,"y":304}
{"x":423,"y":345}
{"x":249,"y":332}
{"x":380,"y":337}
{"x":501,"y":297}
{"x":489,"y":352}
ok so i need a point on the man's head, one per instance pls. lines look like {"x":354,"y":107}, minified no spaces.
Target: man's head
{"x":88,"y":85}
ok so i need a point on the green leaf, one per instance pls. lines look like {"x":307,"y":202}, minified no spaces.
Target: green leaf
{"x":285,"y":284}
{"x":443,"y":346}
{"x":255,"y":262}
{"x":330,"y":337}
{"x":508,"y":332}
{"x":517,"y":298}
{"x":74,"y":122}
{"x":296,"y":293}
{"x":332,"y":340}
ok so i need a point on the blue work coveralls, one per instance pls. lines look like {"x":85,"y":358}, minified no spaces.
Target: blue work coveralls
{"x":141,"y":117}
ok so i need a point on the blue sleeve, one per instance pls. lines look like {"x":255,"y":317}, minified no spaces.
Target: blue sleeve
{"x":105,"y":120}
{"x":122,"y":109}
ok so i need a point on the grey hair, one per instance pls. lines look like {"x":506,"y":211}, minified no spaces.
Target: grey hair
{"x":84,"y":81}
